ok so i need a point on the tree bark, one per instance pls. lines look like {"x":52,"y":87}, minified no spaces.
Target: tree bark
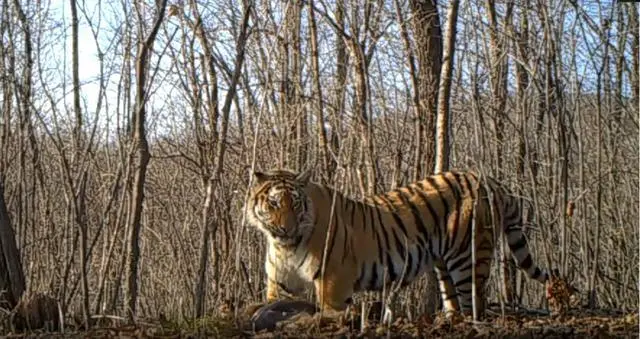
{"x":297,"y":108}
{"x":428,"y":40}
{"x":140,"y":159}
{"x":12,"y":278}
{"x":342,"y":61}
{"x":292,"y":123}
{"x":78,"y":200}
{"x":444,"y":94}
{"x":522,"y":107}
{"x":592,"y":279}
{"x":316,"y":97}
{"x":366,"y":130}
{"x":498,"y":76}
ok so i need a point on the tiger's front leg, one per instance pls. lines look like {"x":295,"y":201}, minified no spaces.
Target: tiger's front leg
{"x":273,"y":290}
{"x":282,"y":282}
{"x":333,"y":295}
{"x":288,"y":288}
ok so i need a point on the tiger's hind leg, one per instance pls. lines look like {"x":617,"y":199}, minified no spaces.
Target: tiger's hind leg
{"x":447,"y":291}
{"x":464,"y":283}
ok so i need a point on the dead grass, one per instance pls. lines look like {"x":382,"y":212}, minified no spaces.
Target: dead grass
{"x":573,"y":324}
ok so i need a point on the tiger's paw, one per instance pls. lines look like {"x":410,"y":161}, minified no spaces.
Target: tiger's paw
{"x":278,"y":313}
{"x":329,"y":314}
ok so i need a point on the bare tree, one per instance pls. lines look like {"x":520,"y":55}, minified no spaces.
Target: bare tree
{"x":428,"y":39}
{"x":498,"y":75}
{"x":79,"y":193}
{"x":291,"y":117}
{"x":428,"y":48}
{"x":521,"y":36}
{"x":360,"y":64}
{"x":361,"y":42}
{"x":342,"y":63}
{"x":140,"y":157}
{"x":321,"y":83}
{"x":217,"y":139}
{"x":125,"y":106}
{"x":444,"y":93}
{"x":318,"y":107}
{"x":12,"y":280}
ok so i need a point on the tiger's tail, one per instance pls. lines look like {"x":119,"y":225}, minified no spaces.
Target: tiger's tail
{"x":518,"y":243}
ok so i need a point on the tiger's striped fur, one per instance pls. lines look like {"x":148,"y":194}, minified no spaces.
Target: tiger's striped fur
{"x":392,"y":237}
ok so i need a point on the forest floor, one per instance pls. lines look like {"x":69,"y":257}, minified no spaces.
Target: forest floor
{"x":574,"y":324}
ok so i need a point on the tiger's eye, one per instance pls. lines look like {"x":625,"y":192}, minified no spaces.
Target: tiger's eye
{"x":273,"y":202}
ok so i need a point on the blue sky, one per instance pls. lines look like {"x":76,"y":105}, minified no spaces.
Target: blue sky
{"x":109,"y":21}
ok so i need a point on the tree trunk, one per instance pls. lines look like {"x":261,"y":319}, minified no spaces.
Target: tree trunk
{"x":415,"y":98}
{"x":444,"y":94}
{"x":592,"y":279}
{"x":12,"y":278}
{"x":78,"y":200}
{"x":292,"y":121}
{"x":207,"y":138}
{"x":298,"y":109}
{"x":316,"y":97}
{"x":428,"y":39}
{"x":342,"y":60}
{"x":522,"y":106}
{"x":140,"y":159}
{"x":498,"y":75}
{"x":365,"y":129}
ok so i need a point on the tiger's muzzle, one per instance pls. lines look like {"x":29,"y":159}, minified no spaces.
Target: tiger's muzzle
{"x":283,"y":237}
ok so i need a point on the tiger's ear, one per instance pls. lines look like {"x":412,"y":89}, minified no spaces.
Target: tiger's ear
{"x":303,"y":177}
{"x":260,"y":177}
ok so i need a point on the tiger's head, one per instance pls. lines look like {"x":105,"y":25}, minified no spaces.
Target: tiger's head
{"x":279,"y":206}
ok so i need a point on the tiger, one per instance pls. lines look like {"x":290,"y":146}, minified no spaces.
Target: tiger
{"x":388,"y":238}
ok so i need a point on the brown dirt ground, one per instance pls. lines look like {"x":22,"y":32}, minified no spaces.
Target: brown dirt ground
{"x":574,"y":324}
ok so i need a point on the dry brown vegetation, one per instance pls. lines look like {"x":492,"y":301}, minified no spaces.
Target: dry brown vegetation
{"x":129,"y":130}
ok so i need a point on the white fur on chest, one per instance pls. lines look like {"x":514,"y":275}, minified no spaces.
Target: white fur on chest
{"x":295,"y":267}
